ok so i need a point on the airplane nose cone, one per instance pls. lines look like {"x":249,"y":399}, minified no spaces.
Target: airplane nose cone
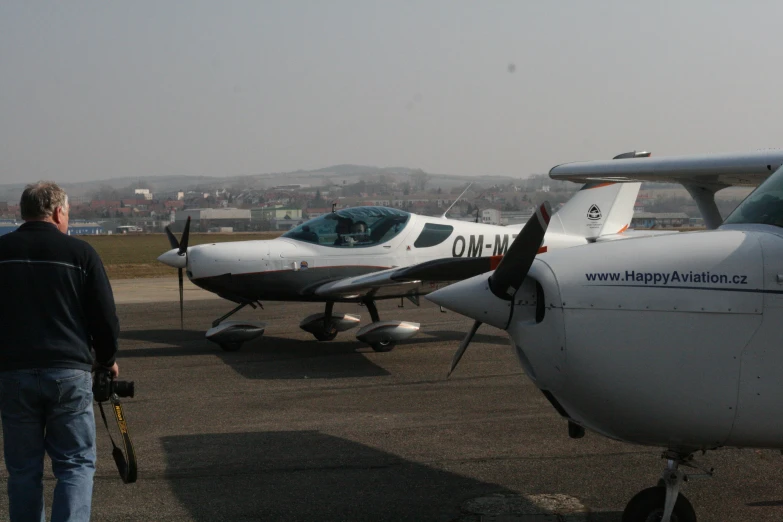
{"x":172,"y":258}
{"x":473,"y":298}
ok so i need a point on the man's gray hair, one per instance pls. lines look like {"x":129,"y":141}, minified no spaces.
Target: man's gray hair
{"x":40,"y":199}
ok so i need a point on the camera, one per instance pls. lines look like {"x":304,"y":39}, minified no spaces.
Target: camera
{"x":105,"y":388}
{"x":104,"y":385}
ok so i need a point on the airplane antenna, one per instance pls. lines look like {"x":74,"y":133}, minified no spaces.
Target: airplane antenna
{"x":455,"y":201}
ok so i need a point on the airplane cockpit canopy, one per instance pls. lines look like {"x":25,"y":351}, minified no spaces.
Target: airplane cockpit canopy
{"x":763,"y":206}
{"x":352,"y":227}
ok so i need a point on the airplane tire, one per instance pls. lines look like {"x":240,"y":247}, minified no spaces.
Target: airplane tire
{"x":231,"y":347}
{"x":647,"y":506}
{"x":326,"y":336}
{"x":384,"y":346}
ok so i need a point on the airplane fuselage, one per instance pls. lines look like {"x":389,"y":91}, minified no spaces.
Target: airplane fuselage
{"x":669,"y":350}
{"x":288,"y":269}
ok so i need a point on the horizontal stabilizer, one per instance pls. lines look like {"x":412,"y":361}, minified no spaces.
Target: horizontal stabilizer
{"x":633,"y":233}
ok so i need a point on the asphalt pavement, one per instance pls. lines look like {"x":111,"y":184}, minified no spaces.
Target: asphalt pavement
{"x":292,"y":429}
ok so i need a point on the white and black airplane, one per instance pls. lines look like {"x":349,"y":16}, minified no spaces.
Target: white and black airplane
{"x":672,"y":341}
{"x":361,"y":254}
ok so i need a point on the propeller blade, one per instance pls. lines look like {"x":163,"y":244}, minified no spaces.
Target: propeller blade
{"x":462,"y":347}
{"x":172,"y":240}
{"x":183,"y":244}
{"x":513,"y":268}
{"x":181,"y":300}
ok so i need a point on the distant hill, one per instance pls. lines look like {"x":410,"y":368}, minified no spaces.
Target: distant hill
{"x":336,"y":174}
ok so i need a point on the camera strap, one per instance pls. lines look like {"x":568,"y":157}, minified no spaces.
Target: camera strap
{"x":126,"y":466}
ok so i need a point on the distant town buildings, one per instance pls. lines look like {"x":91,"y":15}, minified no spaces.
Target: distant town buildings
{"x":659,"y":220}
{"x":77,"y":228}
{"x":212,"y":207}
{"x":145,"y":193}
{"x":202,"y":219}
{"x":276,"y":217}
{"x":491,"y":216}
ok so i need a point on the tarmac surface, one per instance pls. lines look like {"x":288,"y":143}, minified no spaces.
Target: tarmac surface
{"x":293,"y":429}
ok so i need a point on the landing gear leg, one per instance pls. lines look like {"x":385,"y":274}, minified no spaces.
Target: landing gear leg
{"x":380,"y":346}
{"x":373,"y":310}
{"x":232,"y":312}
{"x":664,"y":502}
{"x":672,"y":478}
{"x":330,"y":331}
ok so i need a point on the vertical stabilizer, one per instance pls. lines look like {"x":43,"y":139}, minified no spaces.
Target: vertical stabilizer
{"x":597,"y":209}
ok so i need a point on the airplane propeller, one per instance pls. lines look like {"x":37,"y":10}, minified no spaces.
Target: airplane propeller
{"x":179,"y":260}
{"x":463,"y":346}
{"x":512,"y":270}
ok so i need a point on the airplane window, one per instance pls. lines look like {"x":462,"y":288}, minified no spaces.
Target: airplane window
{"x":763,"y":206}
{"x":433,"y":235}
{"x":352,"y":227}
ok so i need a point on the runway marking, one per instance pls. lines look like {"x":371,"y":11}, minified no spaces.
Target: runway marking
{"x":544,"y":507}
{"x":156,"y":290}
{"x":558,"y":503}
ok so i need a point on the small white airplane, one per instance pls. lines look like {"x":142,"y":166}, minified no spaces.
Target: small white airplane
{"x":670,"y":341}
{"x":360,"y":254}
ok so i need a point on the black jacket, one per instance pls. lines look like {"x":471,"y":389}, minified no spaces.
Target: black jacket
{"x":55,"y":301}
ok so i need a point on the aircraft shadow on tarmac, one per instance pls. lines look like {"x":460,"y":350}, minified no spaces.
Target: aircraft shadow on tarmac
{"x":308,"y":475}
{"x":458,"y":336}
{"x":766,"y":503}
{"x":283,"y":358}
{"x":267,"y":358}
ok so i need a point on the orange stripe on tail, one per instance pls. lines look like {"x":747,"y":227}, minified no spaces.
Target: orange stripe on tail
{"x":599,"y":185}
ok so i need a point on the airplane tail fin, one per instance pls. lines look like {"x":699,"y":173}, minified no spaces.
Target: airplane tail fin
{"x":598,"y":209}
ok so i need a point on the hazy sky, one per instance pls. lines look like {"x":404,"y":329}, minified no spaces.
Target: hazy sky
{"x":94,"y":90}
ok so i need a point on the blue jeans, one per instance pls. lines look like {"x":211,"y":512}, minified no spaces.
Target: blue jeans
{"x":48,"y":409}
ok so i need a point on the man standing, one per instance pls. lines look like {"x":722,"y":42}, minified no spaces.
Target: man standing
{"x":56,"y":306}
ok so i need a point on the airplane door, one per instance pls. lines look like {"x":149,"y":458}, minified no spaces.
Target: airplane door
{"x":773,"y":271}
{"x":758,"y":421}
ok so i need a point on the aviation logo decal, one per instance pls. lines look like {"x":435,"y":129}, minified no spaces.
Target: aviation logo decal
{"x":303,"y":265}
{"x":594,"y":213}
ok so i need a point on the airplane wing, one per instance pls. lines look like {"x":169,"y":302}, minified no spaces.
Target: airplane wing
{"x":714,"y":170}
{"x":408,"y":281}
{"x":701,"y":175}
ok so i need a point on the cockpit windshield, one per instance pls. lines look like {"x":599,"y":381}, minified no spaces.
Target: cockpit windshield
{"x":352,"y":227}
{"x":763,"y":206}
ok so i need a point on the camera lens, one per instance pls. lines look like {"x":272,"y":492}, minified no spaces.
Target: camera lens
{"x":124,"y":388}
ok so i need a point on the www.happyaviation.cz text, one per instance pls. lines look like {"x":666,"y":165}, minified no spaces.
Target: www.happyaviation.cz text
{"x":665,"y":278}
